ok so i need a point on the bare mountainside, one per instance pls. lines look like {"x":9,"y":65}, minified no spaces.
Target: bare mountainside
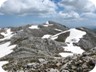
{"x":50,"y":47}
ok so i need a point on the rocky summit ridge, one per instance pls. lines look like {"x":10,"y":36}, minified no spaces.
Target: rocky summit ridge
{"x":48,"y":47}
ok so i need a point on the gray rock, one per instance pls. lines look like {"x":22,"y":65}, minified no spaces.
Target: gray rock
{"x":34,"y":54}
{"x":89,"y":40}
{"x":52,"y":70}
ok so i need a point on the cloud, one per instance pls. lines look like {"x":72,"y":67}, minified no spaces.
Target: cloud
{"x":1,"y":2}
{"x":28,"y":7}
{"x":68,"y":15}
{"x":72,"y":9}
{"x":78,"y":5}
{"x":88,"y":15}
{"x":80,"y":8}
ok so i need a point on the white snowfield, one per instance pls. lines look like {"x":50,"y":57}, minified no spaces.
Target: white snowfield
{"x":34,"y":27}
{"x":46,"y":36}
{"x":7,"y":35}
{"x":1,"y":64}
{"x":74,"y":37}
{"x":73,"y":49}
{"x":94,"y":69}
{"x":5,"y":49}
{"x":8,"y":32}
{"x":65,"y":54}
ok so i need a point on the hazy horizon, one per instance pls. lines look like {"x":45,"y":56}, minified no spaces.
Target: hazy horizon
{"x":72,"y":13}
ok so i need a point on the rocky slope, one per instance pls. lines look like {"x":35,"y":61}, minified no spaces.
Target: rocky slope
{"x":48,"y":47}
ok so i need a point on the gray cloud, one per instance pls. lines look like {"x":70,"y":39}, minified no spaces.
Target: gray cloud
{"x":69,"y":15}
{"x":28,"y":7}
{"x":81,"y":8}
{"x":78,"y":5}
{"x":73,"y":9}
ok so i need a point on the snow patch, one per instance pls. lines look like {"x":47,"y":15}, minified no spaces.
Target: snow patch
{"x":47,"y":25}
{"x":1,"y":64}
{"x":66,"y":54}
{"x":74,"y":37}
{"x":46,"y":36}
{"x":58,"y":30}
{"x":73,"y":49}
{"x":34,"y":27}
{"x":7,"y":35}
{"x":94,"y":69}
{"x":6,"y":49}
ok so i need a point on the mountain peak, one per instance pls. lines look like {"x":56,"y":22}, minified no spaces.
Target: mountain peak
{"x":28,"y":47}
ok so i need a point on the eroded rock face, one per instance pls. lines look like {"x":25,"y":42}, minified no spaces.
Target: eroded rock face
{"x":89,"y":40}
{"x":35,"y":47}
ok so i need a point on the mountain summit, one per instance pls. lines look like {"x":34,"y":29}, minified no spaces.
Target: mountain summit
{"x":50,"y":47}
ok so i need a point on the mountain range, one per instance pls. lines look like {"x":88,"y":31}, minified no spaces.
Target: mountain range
{"x":48,"y":47}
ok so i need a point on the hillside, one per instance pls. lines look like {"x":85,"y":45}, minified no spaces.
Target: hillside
{"x":50,"y":47}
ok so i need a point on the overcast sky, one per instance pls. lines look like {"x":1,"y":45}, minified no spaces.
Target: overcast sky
{"x":68,"y":12}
